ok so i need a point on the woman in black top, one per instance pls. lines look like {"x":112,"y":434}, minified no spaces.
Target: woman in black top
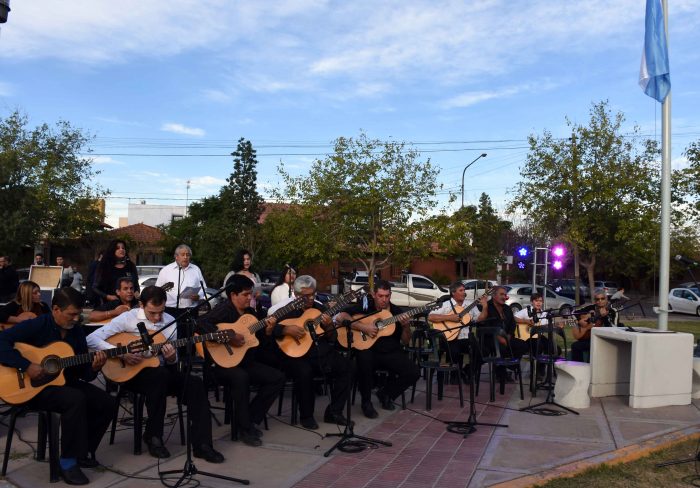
{"x":26,"y":305}
{"x":115,"y":264}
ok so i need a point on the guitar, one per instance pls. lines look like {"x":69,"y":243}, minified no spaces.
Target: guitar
{"x":310,"y":321}
{"x":385,"y":324}
{"x":118,"y":371}
{"x":595,"y":320}
{"x":17,"y":387}
{"x":228,"y":356}
{"x":452,"y":329}
{"x":524,"y":329}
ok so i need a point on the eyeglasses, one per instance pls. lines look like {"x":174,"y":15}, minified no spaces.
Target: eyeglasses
{"x":599,"y":299}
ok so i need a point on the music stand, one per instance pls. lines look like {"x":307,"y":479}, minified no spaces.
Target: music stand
{"x":469,"y":427}
{"x":349,"y":441}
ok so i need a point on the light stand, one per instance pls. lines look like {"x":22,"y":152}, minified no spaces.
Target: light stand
{"x":469,"y":427}
{"x":548,"y":382}
{"x":349,"y":441}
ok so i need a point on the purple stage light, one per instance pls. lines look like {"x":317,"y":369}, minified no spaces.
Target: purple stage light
{"x":557,"y":265}
{"x":559,"y":251}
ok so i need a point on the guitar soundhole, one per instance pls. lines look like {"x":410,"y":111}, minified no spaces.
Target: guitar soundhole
{"x":51,"y":365}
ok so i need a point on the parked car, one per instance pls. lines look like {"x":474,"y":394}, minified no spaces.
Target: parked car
{"x":684,"y":300}
{"x":415,"y":290}
{"x":609,"y":287}
{"x":357,"y":280}
{"x":149,"y":270}
{"x":476,"y":288}
{"x":519,"y":298}
{"x":268,"y":279}
{"x":567,"y":287}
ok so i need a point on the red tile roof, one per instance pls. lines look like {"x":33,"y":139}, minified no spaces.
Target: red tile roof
{"x":140,"y":232}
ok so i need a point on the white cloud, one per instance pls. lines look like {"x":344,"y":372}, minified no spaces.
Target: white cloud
{"x":6,"y":89}
{"x":99,"y":160}
{"x":472,"y":98}
{"x":182,"y":129}
{"x":216,"y":96}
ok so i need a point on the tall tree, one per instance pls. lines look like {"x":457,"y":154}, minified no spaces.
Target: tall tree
{"x":363,"y":201}
{"x":598,"y":191}
{"x":46,"y":188}
{"x":218,"y":226}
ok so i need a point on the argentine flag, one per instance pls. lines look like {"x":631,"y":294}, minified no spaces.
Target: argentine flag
{"x":654,"y":76}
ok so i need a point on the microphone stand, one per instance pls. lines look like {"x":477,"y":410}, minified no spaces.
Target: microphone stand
{"x":548,"y":382}
{"x":189,"y":469}
{"x":349,"y":441}
{"x":469,"y":427}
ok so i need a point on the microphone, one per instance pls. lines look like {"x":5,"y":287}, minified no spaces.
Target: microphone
{"x":146,"y":339}
{"x":687,"y":261}
{"x":530,"y":313}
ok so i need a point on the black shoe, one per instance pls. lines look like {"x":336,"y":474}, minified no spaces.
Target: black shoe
{"x":258,"y":432}
{"x":208,"y":453}
{"x":74,"y":476}
{"x":250,"y":438}
{"x":336,"y":418}
{"x":386,"y":402}
{"x":88,"y":462}
{"x":156,"y":448}
{"x":369,"y":411}
{"x":309,"y":423}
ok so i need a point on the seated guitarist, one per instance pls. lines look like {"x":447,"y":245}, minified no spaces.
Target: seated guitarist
{"x":269,"y":381}
{"x":125,"y":301}
{"x":597,"y":315}
{"x":86,"y":410}
{"x":530,"y":317}
{"x":159,"y":382}
{"x":321,"y":358}
{"x":386,"y":353}
{"x":448,"y":313}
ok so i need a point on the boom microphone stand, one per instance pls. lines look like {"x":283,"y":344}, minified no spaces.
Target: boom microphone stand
{"x":189,"y":469}
{"x":469,"y":427}
{"x":349,"y":441}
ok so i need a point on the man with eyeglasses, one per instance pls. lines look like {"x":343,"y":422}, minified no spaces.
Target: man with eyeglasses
{"x":597,"y":315}
{"x":321,"y":358}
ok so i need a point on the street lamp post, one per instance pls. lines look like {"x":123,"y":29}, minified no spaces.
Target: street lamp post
{"x":482,"y":155}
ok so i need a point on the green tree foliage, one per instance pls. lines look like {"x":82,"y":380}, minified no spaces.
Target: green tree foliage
{"x":45,"y":183}
{"x":598,"y":191}
{"x":362,"y":203}
{"x":217,"y":227}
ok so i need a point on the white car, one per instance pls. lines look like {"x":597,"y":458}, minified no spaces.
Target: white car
{"x":519,"y":298}
{"x":476,"y":288}
{"x":684,"y":300}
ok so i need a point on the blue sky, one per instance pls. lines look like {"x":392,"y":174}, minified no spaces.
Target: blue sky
{"x":168,"y":87}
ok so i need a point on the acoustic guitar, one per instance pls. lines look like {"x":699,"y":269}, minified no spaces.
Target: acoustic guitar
{"x":385,"y":324}
{"x":310,"y":321}
{"x":17,"y":387}
{"x":452,"y":329}
{"x":228,"y":356}
{"x":117,"y":370}
{"x":559,"y":322}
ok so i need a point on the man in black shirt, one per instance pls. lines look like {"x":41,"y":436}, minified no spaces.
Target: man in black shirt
{"x":9,"y":281}
{"x":321,"y":358}
{"x":125,"y":301}
{"x":85,"y":410}
{"x":250,"y":371}
{"x":387,"y":353}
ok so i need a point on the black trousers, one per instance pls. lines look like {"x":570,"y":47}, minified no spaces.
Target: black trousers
{"x":578,"y":348}
{"x":405,"y":372}
{"x":322,"y":360}
{"x":157,"y":384}
{"x":268,"y":380}
{"x":86,"y":412}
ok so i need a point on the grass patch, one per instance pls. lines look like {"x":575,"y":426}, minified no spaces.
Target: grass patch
{"x":640,"y":473}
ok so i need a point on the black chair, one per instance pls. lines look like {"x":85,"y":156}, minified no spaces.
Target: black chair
{"x":490,"y":350}
{"x":435,"y":364}
{"x":138,"y":401}
{"x":543,"y":352}
{"x":381,"y":376}
{"x":48,"y":427}
{"x":290,"y":385}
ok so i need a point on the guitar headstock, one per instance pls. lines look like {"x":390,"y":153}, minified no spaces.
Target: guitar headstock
{"x":166,"y":287}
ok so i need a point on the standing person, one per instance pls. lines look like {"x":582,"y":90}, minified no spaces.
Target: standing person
{"x":26,"y":305}
{"x":77,"y":282}
{"x":284,"y":288}
{"x":115,"y":264}
{"x":85,"y":409}
{"x":497,"y":309}
{"x":387,"y":353}
{"x":159,"y":382}
{"x":321,"y":358}
{"x":268,"y":380}
{"x":94,"y":299}
{"x":242,"y":265}
{"x":125,"y":302}
{"x":67,"y":273}
{"x":9,"y":281}
{"x":597,"y":315}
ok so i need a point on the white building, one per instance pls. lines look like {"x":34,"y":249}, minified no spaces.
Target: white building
{"x":154,"y":215}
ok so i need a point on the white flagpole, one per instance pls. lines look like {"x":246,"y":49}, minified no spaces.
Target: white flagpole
{"x":665,"y":251}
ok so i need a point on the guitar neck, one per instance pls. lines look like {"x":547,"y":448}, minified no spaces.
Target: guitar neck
{"x":406,"y":315}
{"x":340,"y":304}
{"x":281,"y":312}
{"x":212,"y":336}
{"x":88,"y":357}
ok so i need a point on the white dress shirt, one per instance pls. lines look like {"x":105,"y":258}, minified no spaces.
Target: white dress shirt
{"x":126,"y":322}
{"x":189,"y":276}
{"x":280,"y":293}
{"x":447,"y":309}
{"x":523,"y":314}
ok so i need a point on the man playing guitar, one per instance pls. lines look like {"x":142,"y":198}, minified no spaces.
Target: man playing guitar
{"x":125,"y":302}
{"x":386,"y":353}
{"x":597,"y":315}
{"x":159,"y":382}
